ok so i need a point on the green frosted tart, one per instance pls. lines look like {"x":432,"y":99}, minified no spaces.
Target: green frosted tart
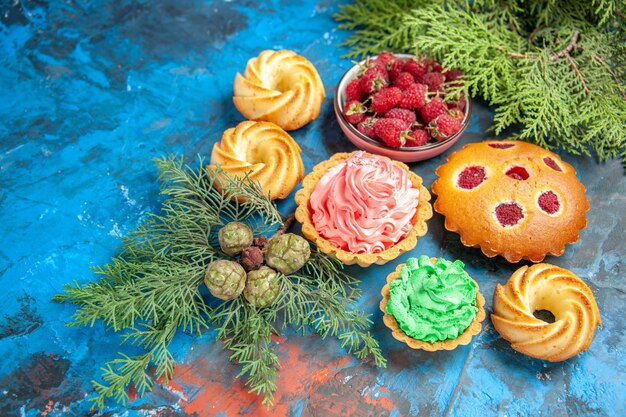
{"x":432,"y":304}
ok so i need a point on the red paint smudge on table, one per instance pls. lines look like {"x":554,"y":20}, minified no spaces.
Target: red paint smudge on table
{"x":299,"y":377}
{"x":132,"y":393}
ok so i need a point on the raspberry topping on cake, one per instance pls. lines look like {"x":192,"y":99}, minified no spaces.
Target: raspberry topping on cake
{"x":501,"y":145}
{"x":471,"y":177}
{"x":549,"y":202}
{"x":552,"y":163}
{"x":509,"y":214}
{"x":518,"y":173}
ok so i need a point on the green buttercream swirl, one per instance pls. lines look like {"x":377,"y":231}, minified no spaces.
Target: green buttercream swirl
{"x":433,"y":302}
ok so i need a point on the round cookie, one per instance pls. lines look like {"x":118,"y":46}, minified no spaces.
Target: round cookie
{"x":511,"y":198}
{"x":557,"y":290}
{"x":279,"y":87}
{"x":262,"y":151}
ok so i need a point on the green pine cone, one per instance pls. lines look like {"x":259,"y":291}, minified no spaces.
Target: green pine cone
{"x":234,"y":238}
{"x":287,"y":253}
{"x":225,"y":279}
{"x":262,"y":287}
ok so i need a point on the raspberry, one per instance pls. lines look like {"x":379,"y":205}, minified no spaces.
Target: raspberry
{"x":386,"y":99}
{"x":368,"y":64}
{"x":417,"y":137}
{"x":374,"y":79}
{"x":460,"y":105}
{"x":354,"y":90}
{"x":391,"y":131}
{"x":471,"y":177}
{"x":552,"y":164}
{"x":453,"y":75}
{"x":549,"y":202}
{"x":416,"y":67}
{"x":444,"y":126}
{"x":414,"y":97}
{"x":354,"y":111}
{"x":386,"y":59}
{"x":367,"y":127}
{"x":435,"y":66}
{"x":404,"y":114}
{"x":404,"y":80}
{"x":434,"y":108}
{"x":501,"y":145}
{"x":396,"y":68}
{"x":456,"y":113}
{"x":509,"y":214}
{"x":434,"y":81}
{"x":518,"y":173}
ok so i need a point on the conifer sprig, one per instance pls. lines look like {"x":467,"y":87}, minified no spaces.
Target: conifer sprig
{"x":553,"y":69}
{"x":150,"y":290}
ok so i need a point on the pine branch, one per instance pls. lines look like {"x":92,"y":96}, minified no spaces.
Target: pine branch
{"x":251,"y":346}
{"x":613,"y":74}
{"x":321,"y":296}
{"x":132,"y":291}
{"x":118,"y":375}
{"x":150,"y":290}
{"x":331,"y":312}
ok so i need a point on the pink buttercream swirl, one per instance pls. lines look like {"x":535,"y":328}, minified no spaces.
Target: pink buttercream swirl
{"x":364,"y":205}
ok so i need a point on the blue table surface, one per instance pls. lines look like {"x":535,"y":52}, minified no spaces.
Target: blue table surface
{"x":90,"y":92}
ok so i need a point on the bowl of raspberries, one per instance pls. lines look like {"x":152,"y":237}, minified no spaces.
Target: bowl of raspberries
{"x":402,"y":106}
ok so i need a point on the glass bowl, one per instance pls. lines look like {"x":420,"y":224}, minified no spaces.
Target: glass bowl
{"x":403,"y":154}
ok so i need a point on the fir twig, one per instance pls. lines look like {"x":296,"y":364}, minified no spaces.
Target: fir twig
{"x":517,"y":54}
{"x":577,"y":71}
{"x":286,"y":225}
{"x":251,"y":346}
{"x":610,"y":71}
{"x":151,"y":289}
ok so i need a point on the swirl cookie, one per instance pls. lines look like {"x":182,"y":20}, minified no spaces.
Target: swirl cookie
{"x":557,"y":290}
{"x":279,"y":87}
{"x":262,"y":151}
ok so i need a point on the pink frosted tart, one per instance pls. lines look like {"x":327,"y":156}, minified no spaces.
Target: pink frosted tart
{"x":363,"y":208}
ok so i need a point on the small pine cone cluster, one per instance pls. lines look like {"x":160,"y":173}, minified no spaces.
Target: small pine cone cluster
{"x":257,"y":265}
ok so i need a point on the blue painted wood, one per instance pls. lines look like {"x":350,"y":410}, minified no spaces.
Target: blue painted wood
{"x":91,"y":91}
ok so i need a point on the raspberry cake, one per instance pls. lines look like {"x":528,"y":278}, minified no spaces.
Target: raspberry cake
{"x":511,"y":198}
